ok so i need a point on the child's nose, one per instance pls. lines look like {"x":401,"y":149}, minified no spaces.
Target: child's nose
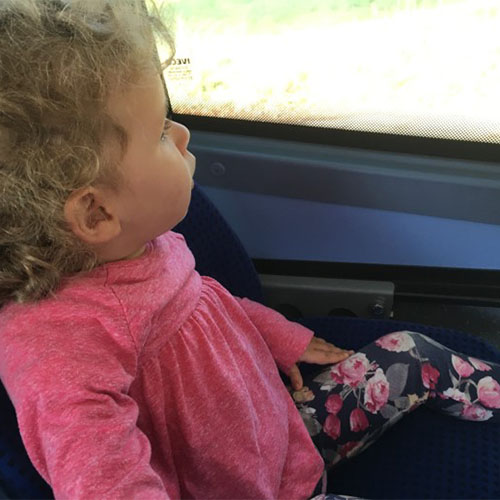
{"x":181,"y":136}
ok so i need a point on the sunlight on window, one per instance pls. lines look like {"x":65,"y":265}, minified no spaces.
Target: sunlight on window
{"x":414,"y":67}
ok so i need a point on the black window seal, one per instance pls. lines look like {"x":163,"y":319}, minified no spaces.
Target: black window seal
{"x":444,"y":148}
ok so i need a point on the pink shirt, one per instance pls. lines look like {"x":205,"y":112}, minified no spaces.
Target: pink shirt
{"x":143,"y":380}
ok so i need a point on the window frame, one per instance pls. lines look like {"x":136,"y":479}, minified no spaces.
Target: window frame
{"x":442,"y":148}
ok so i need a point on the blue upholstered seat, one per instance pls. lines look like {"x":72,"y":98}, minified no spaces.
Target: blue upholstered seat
{"x":426,"y":455}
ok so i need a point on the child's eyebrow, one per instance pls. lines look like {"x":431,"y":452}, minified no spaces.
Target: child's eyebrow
{"x":168,"y":105}
{"x":165,"y":113}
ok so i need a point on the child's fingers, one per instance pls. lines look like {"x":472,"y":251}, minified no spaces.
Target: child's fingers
{"x":331,"y":348}
{"x":325,"y":357}
{"x":321,"y":352}
{"x":295,"y":377}
{"x":322,"y":344}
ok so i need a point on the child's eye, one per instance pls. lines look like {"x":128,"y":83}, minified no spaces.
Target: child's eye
{"x":166,"y":128}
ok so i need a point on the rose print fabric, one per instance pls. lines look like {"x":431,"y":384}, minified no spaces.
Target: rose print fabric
{"x":348,"y":406}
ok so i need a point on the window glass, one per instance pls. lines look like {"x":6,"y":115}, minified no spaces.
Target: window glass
{"x":426,"y":68}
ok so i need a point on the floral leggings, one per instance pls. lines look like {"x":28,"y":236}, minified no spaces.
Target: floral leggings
{"x":348,"y":406}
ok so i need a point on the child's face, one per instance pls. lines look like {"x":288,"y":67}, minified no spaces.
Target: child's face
{"x":157,"y":167}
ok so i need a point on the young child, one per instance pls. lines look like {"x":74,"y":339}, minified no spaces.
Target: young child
{"x":133,"y":376}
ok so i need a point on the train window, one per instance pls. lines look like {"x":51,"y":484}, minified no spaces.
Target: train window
{"x":415,"y":68}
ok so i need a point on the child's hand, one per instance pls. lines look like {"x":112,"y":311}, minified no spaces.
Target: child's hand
{"x":320,"y":352}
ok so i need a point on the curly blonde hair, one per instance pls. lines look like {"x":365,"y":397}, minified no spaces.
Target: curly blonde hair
{"x":59,"y":62}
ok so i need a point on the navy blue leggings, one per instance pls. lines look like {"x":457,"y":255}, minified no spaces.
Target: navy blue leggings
{"x":347,"y":406}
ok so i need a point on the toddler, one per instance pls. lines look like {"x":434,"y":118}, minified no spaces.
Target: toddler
{"x":133,"y":376}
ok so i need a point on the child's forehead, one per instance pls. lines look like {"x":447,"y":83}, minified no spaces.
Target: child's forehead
{"x":146,"y":89}
{"x":142,"y":103}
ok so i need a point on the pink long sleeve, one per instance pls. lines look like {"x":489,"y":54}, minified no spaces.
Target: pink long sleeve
{"x":144,"y":380}
{"x":286,"y":340}
{"x":79,"y":427}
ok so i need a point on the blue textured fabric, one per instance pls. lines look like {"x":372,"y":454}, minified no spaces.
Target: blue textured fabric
{"x":18,"y":478}
{"x":218,"y":251}
{"x":424,"y":456}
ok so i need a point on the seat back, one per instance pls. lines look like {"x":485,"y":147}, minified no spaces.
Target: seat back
{"x":18,"y":477}
{"x":218,"y":251}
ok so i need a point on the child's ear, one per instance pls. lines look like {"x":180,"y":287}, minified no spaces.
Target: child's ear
{"x":90,"y":217}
